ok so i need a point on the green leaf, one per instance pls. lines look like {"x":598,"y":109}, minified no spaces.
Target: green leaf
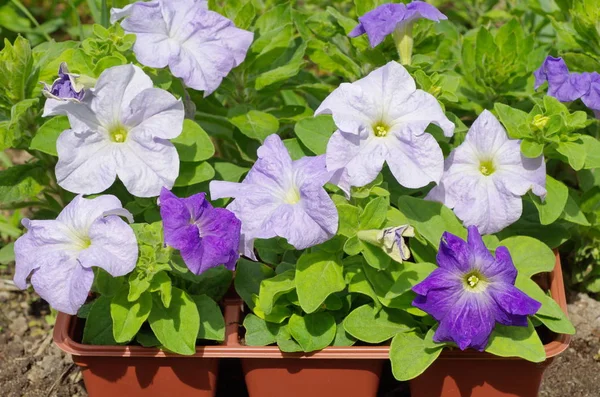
{"x":374,"y":214}
{"x":531,"y":148}
{"x":98,"y":326}
{"x":410,"y":275}
{"x":45,"y":138}
{"x":194,"y":144}
{"x":248,"y":277}
{"x":549,"y":307}
{"x":177,"y":326}
{"x":259,"y":332}
{"x":410,"y":355}
{"x":229,"y":172}
{"x":256,"y":125}
{"x":313,"y":331}
{"x":375,"y":256}
{"x":529,"y":255}
{"x":348,"y":218}
{"x":128,"y":317}
{"x":285,"y":342}
{"x":575,"y":152}
{"x":559,"y":325}
{"x":212,"y":323}
{"x":7,"y":254}
{"x":315,"y":132}
{"x":514,"y":120}
{"x":161,"y":283}
{"x":105,"y":284}
{"x":573,"y":213}
{"x":194,"y":173}
{"x":318,"y":275}
{"x":213,"y":282}
{"x":368,"y":325}
{"x":430,"y":219}
{"x":21,"y":183}
{"x":272,"y":288}
{"x":17,"y":79}
{"x":282,"y":73}
{"x":521,"y":342}
{"x":555,"y":202}
{"x":592,"y":145}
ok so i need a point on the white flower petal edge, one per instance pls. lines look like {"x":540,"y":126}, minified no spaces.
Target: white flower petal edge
{"x":121,"y":131}
{"x":382,"y":118}
{"x":485,"y":177}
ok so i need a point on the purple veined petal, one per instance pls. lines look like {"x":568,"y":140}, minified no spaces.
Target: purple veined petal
{"x":179,"y":217}
{"x":317,"y":204}
{"x":414,"y":160}
{"x":562,"y":85}
{"x":469,"y":323}
{"x":454,"y":254}
{"x":341,"y":179}
{"x":358,"y":30}
{"x":512,"y":300}
{"x":65,"y":285}
{"x":420,"y":9}
{"x":502,"y":269}
{"x":438,"y":302}
{"x":294,"y":224}
{"x":440,"y":278}
{"x":116,"y":89}
{"x":361,"y":156}
{"x":418,"y":111}
{"x":85,"y":162}
{"x":311,"y":170}
{"x":157,"y":113}
{"x":382,"y":21}
{"x":592,"y":97}
{"x":145,"y":165}
{"x":520,"y":174}
{"x":274,"y":168}
{"x":481,"y":256}
{"x":486,"y":135}
{"x":113,"y":247}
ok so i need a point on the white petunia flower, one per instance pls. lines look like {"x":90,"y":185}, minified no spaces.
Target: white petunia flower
{"x":124,"y":131}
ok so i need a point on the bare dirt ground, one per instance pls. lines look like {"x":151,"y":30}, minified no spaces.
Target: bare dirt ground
{"x":31,"y":366}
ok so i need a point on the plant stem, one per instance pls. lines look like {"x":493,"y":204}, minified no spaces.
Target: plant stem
{"x":25,"y":11}
{"x":104,"y":17}
{"x":404,"y":42}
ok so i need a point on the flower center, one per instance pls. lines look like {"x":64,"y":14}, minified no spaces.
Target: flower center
{"x":475,"y":281}
{"x":118,"y":134}
{"x":292,"y":196}
{"x":486,"y":168}
{"x":381,"y":129}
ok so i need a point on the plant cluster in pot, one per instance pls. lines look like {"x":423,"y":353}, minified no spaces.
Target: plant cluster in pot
{"x":382,"y":246}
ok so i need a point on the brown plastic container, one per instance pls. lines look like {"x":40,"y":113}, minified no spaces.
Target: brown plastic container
{"x":474,"y":374}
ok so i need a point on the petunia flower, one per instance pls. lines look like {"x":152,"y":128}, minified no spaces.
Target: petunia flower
{"x":67,"y":87}
{"x":122,"y":131}
{"x":390,"y":240}
{"x":60,"y":254}
{"x":395,"y":18}
{"x":382,"y":118}
{"x":199,"y":46}
{"x":206,"y":237}
{"x":485,"y":177}
{"x":471,"y":291}
{"x":281,"y":197}
{"x":566,"y":86}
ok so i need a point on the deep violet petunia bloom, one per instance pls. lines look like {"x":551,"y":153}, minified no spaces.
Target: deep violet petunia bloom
{"x":471,"y":291}
{"x":122,"y":130}
{"x":566,"y":86}
{"x":485,"y":177}
{"x":281,"y":197}
{"x":60,"y":253}
{"x":206,"y":237}
{"x":386,"y":18}
{"x":199,"y":46}
{"x":382,"y":118}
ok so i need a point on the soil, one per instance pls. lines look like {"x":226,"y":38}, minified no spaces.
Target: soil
{"x":31,"y":366}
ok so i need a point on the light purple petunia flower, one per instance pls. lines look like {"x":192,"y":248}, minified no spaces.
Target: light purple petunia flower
{"x":206,"y":237}
{"x":566,"y":86}
{"x":471,"y":291}
{"x":122,"y":130}
{"x":61,"y":253}
{"x":485,"y":177}
{"x":386,"y":18}
{"x":382,"y":118}
{"x":199,"y":46}
{"x":281,"y":197}
{"x":65,"y":86}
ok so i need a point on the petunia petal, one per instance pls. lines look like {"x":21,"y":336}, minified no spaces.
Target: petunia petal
{"x":440,"y":278}
{"x":417,"y":111}
{"x":454,"y":254}
{"x":85,"y":162}
{"x":81,"y":213}
{"x":362,"y":156}
{"x":512,"y":300}
{"x":146,"y":164}
{"x":157,"y":113}
{"x":502,"y":269}
{"x":113,"y":247}
{"x":414,"y":160}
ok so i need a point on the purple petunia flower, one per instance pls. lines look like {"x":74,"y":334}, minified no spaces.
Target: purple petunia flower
{"x":65,"y":86}
{"x":385,"y":19}
{"x":199,"y":46}
{"x":485,"y":177}
{"x":471,"y":291}
{"x":61,"y":253}
{"x":566,"y":86}
{"x":206,"y":237}
{"x":281,"y":197}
